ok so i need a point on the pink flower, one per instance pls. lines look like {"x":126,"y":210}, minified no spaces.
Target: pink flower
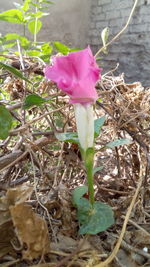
{"x":76,"y":74}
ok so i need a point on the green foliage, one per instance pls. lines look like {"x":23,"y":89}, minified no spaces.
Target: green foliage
{"x":24,"y":15}
{"x":98,"y":123}
{"x":5,"y":122}
{"x":63,"y":49}
{"x":14,"y":71}
{"x":33,"y":100}
{"x":43,"y":51}
{"x":78,"y":192}
{"x":46,"y":51}
{"x":24,"y":42}
{"x":71,"y":137}
{"x":118,"y":142}
{"x":34,"y":26}
{"x":12,"y":16}
{"x":46,"y":1}
{"x":26,"y":5}
{"x":93,"y":218}
{"x":96,"y":169}
{"x":33,"y":53}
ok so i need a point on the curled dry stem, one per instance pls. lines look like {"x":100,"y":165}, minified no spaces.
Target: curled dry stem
{"x":119,"y":33}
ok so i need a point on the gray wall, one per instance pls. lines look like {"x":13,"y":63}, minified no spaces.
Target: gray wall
{"x":132,"y":50}
{"x":68,"y":22}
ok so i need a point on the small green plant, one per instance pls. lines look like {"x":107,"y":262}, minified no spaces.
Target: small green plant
{"x":78,"y":81}
{"x":28,"y":15}
{"x":94,"y":216}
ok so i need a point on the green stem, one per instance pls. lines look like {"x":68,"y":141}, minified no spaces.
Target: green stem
{"x":35,"y":28}
{"x":88,"y":157}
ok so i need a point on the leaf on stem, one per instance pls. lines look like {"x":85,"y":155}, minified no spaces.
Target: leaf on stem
{"x":78,"y":192}
{"x":71,"y":137}
{"x":14,"y":71}
{"x":96,"y":219}
{"x":34,"y":26}
{"x":5,"y":122}
{"x":96,"y":169}
{"x":12,"y":16}
{"x":63,"y":49}
{"x":98,"y":123}
{"x":119,"y":142}
{"x":33,"y":100}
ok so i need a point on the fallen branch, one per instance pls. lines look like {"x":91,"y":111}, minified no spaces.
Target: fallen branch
{"x":14,"y":157}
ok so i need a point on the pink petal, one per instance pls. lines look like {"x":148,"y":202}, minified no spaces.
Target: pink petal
{"x":76,"y":74}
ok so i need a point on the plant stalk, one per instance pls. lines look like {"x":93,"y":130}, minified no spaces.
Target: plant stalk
{"x":89,"y":156}
{"x":35,"y":27}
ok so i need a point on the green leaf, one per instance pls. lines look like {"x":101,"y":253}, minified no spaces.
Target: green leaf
{"x":12,"y":36}
{"x":84,"y":209}
{"x":46,"y":49}
{"x":5,"y":122}
{"x":24,"y":42}
{"x":61,"y":48}
{"x":99,"y":100}
{"x":98,"y":123}
{"x":96,"y":169}
{"x":12,"y":16}
{"x":34,"y":26}
{"x":95,"y":219}
{"x":9,"y":44}
{"x":26,"y":5}
{"x":33,"y":100}
{"x":119,"y":142}
{"x":33,"y":53}
{"x":14,"y":71}
{"x":46,"y":1}
{"x":71,"y":137}
{"x":78,"y":192}
{"x":74,"y":49}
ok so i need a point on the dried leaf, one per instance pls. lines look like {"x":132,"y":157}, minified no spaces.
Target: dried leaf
{"x":19,"y":194}
{"x":31,"y":230}
{"x":13,"y":195}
